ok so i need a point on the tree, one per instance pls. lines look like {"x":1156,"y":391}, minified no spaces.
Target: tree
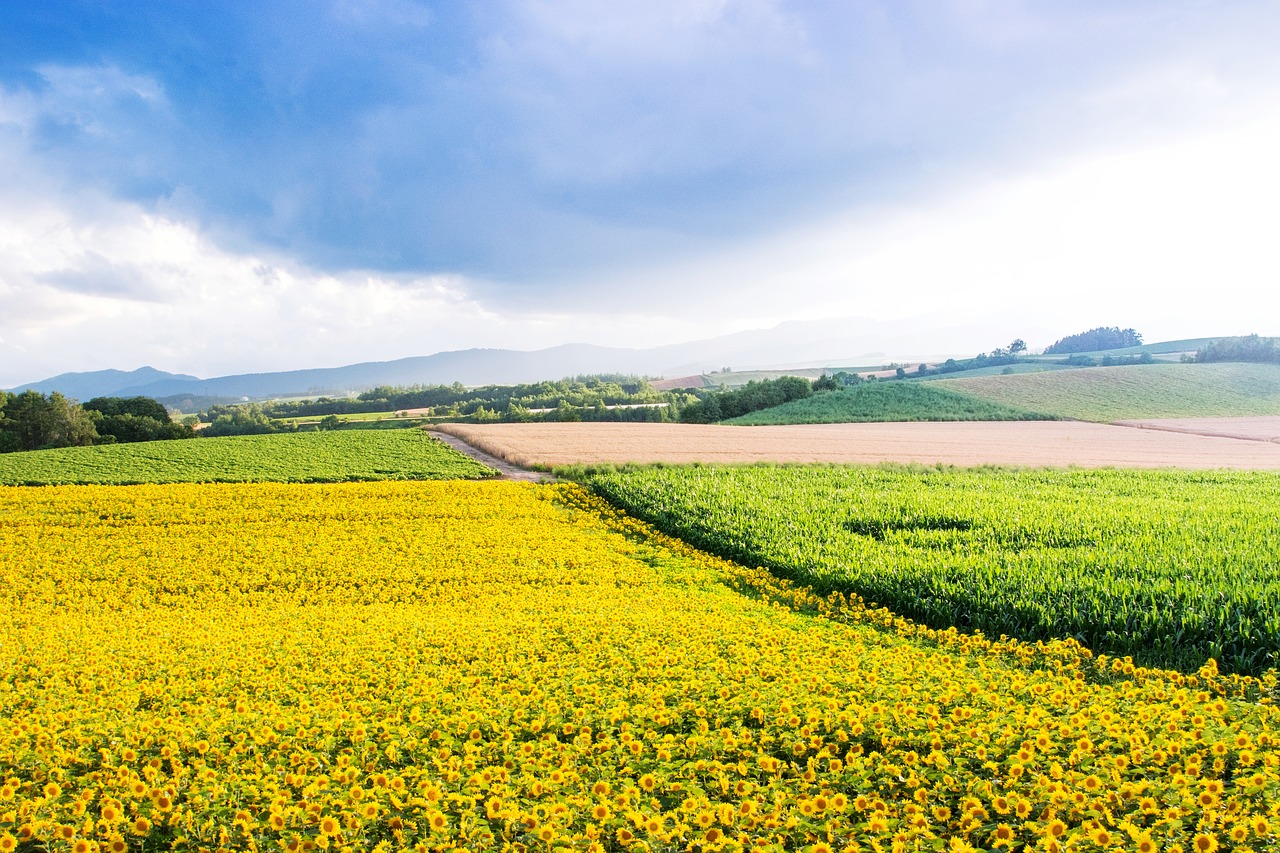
{"x":1250,"y":348}
{"x":142,"y":407}
{"x":1101,"y":338}
{"x":329,"y":422}
{"x":129,"y":419}
{"x":825,"y":383}
{"x":32,"y":421}
{"x":248,"y":419}
{"x":1018,"y":346}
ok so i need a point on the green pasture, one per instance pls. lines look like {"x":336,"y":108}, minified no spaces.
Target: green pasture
{"x":1131,"y":392}
{"x":886,"y":401}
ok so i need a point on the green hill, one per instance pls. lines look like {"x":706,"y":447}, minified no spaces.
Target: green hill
{"x":887,"y":401}
{"x":1107,"y":394}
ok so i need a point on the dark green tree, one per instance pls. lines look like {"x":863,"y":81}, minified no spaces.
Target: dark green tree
{"x":142,"y":407}
{"x":32,"y":421}
{"x":246,"y":419}
{"x":130,"y":419}
{"x":825,"y":383}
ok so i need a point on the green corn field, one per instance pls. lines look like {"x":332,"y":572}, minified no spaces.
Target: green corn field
{"x":1169,"y":567}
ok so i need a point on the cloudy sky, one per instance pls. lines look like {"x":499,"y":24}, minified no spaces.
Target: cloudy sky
{"x":245,"y":186}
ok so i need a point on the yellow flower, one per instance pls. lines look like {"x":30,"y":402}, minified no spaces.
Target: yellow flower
{"x":1205,"y":842}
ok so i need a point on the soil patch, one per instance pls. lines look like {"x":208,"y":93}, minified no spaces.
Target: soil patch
{"x":1034,"y":443}
{"x":1266,"y":428}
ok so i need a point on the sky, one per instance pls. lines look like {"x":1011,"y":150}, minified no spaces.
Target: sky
{"x":214,"y":188}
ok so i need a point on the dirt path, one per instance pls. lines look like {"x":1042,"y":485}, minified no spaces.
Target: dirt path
{"x":506,"y":470}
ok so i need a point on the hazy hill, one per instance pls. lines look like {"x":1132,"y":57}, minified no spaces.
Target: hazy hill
{"x":816,"y":343}
{"x":103,"y":383}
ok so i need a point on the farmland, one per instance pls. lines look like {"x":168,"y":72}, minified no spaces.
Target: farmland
{"x":299,"y":457}
{"x":1169,"y":567}
{"x":1133,"y":392}
{"x":499,"y":666}
{"x":887,"y":401}
{"x":975,"y":443}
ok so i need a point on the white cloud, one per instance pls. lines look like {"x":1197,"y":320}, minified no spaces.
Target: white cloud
{"x":89,"y":283}
{"x":1175,"y":239}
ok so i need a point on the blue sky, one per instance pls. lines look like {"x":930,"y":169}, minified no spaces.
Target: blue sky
{"x":226,"y":187}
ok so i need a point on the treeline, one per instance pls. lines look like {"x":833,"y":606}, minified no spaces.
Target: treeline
{"x":457,"y":400}
{"x":1109,"y":360}
{"x":32,"y":421}
{"x":752,"y":397}
{"x":1248,"y":348}
{"x":1101,"y":338}
{"x":578,"y":399}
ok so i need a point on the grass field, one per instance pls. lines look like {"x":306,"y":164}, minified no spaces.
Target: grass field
{"x":1133,"y":392}
{"x":1169,"y":567}
{"x":285,"y":457}
{"x":886,"y":401}
{"x":489,"y":666}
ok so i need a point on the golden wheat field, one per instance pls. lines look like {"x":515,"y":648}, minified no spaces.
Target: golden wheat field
{"x":501,"y":666}
{"x":1054,"y":443}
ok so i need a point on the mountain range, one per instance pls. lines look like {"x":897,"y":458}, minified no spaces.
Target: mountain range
{"x":845,"y":342}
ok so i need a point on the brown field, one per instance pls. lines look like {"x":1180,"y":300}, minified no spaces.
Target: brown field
{"x":1265,"y":428}
{"x":1036,"y":443}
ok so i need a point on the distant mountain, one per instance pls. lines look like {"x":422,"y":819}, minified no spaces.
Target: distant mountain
{"x":103,"y":383}
{"x":844,"y":342}
{"x":470,"y":367}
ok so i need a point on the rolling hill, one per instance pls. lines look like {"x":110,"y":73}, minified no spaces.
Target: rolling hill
{"x":887,"y":401}
{"x":1107,"y":394}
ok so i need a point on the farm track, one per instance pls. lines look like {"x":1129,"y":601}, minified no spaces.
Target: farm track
{"x":1027,"y":443}
{"x":506,"y":470}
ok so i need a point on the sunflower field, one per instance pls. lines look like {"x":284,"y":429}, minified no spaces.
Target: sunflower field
{"x":496,"y":666}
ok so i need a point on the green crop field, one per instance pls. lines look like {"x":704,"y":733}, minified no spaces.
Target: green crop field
{"x":1107,"y":394}
{"x":887,"y":401}
{"x":286,"y":457}
{"x":1170,"y":567}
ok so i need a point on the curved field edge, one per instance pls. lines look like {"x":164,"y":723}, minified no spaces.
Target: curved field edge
{"x":887,"y":402}
{"x":1134,"y":392}
{"x":532,"y":680}
{"x":1060,"y":654}
{"x":1169,"y":567}
{"x":312,"y":457}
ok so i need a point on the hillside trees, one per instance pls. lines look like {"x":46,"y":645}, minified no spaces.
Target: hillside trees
{"x":1101,"y":338}
{"x":1248,"y":348}
{"x":32,"y":421}
{"x":751,"y":397}
{"x":244,"y":419}
{"x":130,"y":419}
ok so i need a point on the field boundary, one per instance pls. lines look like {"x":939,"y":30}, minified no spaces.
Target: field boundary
{"x":1211,"y":427}
{"x":506,"y":470}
